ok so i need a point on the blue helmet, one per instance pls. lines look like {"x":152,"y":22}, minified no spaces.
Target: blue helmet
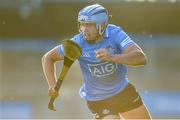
{"x":94,"y":14}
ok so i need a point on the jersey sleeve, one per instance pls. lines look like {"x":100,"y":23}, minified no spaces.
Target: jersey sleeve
{"x":60,"y":50}
{"x":123,"y":40}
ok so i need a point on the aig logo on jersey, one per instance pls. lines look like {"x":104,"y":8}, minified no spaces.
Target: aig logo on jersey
{"x":102,"y":69}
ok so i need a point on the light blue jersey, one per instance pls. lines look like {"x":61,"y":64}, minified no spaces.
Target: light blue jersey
{"x":102,"y":79}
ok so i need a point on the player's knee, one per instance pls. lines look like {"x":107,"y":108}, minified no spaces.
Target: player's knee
{"x":111,"y":117}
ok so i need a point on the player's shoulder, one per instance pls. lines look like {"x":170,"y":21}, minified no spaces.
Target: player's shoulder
{"x":114,"y":31}
{"x":78,"y":38}
{"x":113,"y":28}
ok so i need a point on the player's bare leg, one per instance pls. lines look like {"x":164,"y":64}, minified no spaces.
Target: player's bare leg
{"x":138,"y":113}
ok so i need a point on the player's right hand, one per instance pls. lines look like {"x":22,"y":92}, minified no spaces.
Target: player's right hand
{"x":52,"y":93}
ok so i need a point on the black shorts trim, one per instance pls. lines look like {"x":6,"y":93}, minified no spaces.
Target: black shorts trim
{"x":124,"y":101}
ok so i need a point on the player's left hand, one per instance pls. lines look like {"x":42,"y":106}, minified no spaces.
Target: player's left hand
{"x":52,"y":93}
{"x":103,"y":54}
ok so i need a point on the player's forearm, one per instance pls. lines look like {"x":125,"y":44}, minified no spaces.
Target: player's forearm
{"x":133,"y":58}
{"x":49,"y":71}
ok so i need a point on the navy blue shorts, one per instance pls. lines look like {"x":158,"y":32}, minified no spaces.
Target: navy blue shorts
{"x":124,"y":101}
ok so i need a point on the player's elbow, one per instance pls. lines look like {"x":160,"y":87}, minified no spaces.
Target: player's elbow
{"x":46,"y":58}
{"x":43,"y":59}
{"x":143,"y":59}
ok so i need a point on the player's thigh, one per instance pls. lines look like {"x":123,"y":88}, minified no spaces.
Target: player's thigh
{"x":137,"y":113}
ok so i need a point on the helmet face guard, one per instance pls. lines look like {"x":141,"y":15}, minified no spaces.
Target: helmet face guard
{"x":94,"y":14}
